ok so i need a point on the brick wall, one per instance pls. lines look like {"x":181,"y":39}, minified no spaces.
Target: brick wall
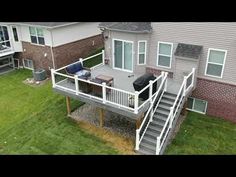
{"x":69,"y":53}
{"x":221,"y":98}
{"x":63,"y":55}
{"x":157,"y":71}
{"x":36,"y":53}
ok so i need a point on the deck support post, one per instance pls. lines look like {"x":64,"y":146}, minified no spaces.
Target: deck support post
{"x":68,"y":105}
{"x":101,"y":121}
{"x":139,"y":121}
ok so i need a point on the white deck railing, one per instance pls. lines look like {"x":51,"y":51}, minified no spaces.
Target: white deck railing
{"x":109,"y":95}
{"x":187,"y":84}
{"x":154,"y":101}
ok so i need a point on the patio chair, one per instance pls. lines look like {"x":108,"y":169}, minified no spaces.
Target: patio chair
{"x":82,"y":73}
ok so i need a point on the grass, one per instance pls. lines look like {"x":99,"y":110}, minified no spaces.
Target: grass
{"x":33,"y":120}
{"x":201,"y":134}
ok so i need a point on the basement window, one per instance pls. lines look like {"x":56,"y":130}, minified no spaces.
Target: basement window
{"x":197,"y":105}
{"x":28,"y":64}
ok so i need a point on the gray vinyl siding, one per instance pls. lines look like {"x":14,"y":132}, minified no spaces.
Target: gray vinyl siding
{"x":129,"y":37}
{"x":208,"y":34}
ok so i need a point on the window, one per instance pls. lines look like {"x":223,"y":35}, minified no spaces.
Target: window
{"x":142,"y":47}
{"x":28,"y":64}
{"x":197,"y":105}
{"x":164,"y":54}
{"x":4,"y":38}
{"x":215,"y":62}
{"x":14,"y":30}
{"x":36,"y":35}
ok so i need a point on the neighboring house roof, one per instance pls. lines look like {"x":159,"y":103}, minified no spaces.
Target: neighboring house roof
{"x":45,"y":24}
{"x":135,"y":27}
{"x":188,"y":50}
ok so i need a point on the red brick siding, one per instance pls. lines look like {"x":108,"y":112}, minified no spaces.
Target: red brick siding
{"x":157,"y":72}
{"x":71,"y":52}
{"x":221,"y":98}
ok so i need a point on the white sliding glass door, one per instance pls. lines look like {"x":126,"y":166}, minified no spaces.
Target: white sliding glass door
{"x":123,"y":55}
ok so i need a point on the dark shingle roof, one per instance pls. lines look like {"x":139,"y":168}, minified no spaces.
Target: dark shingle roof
{"x":48,"y":24}
{"x":188,"y":50}
{"x":136,"y":27}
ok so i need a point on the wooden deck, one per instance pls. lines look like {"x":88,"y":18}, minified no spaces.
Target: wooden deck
{"x":122,"y":80}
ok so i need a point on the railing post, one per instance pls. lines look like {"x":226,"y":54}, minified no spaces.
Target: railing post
{"x":81,"y":60}
{"x":185,"y":83}
{"x":103,"y":57}
{"x":150,"y":90}
{"x":104,"y":92}
{"x":171,"y":116}
{"x":53,"y":78}
{"x":136,"y":94}
{"x":76,"y":85}
{"x":165,"y":87}
{"x":158,"y":145}
{"x":193,"y":77}
{"x":137,"y":140}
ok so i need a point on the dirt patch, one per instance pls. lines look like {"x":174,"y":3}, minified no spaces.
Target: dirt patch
{"x":124,"y":145}
{"x":117,"y":129}
{"x":33,"y":83}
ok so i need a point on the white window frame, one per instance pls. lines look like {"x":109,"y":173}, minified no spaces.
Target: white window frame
{"x":26,"y":66}
{"x":113,"y":54}
{"x":36,"y":35}
{"x":223,"y":65}
{"x":194,"y":103}
{"x":169,"y":43}
{"x":1,"y":26}
{"x":145,"y":52}
{"x":16,"y":33}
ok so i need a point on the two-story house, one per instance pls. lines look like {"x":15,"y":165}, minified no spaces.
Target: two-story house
{"x":194,"y":64}
{"x":37,"y":45}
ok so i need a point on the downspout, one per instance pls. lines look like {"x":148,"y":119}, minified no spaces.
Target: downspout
{"x":53,"y":60}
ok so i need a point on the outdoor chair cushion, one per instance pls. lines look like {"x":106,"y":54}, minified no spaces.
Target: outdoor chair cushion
{"x":72,"y":69}
{"x":83,"y":73}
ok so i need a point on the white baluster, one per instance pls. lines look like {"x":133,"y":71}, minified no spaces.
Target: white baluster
{"x":136,"y":94}
{"x":104,"y":92}
{"x":158,"y":145}
{"x":76,"y":85}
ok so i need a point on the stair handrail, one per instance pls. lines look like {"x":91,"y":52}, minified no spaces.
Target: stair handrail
{"x":173,"y":111}
{"x":138,"y":139}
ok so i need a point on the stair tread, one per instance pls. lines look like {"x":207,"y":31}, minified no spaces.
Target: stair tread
{"x":148,"y":146}
{"x":158,"y":122}
{"x":171,"y":94}
{"x":144,"y":152}
{"x":150,"y":133}
{"x":154,"y":128}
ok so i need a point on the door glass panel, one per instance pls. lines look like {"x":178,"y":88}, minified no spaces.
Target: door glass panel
{"x":118,"y":54}
{"x":127,"y":55}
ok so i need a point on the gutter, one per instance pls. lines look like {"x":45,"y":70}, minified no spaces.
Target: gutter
{"x":137,"y":32}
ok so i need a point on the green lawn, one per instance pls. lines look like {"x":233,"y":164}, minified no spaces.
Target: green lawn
{"x":201,"y":134}
{"x":33,"y":121}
